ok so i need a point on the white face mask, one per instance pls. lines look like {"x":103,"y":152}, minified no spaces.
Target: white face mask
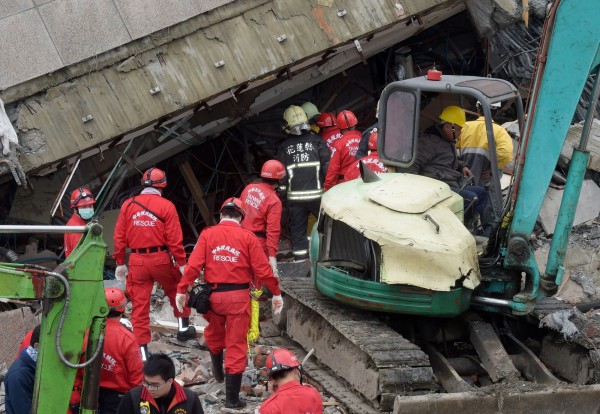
{"x":86,"y":213}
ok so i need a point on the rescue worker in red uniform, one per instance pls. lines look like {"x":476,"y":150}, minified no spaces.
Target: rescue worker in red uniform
{"x":370,"y":161}
{"x":291,"y":397}
{"x":82,"y":203}
{"x":122,"y":362}
{"x":343,"y":156}
{"x":306,"y":157}
{"x":231,"y":258}
{"x":149,"y":225}
{"x":330,"y":132}
{"x":263,"y":209}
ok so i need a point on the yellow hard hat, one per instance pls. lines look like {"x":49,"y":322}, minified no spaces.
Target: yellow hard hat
{"x":454,"y":115}
{"x":294,"y":115}
{"x":310,"y":109}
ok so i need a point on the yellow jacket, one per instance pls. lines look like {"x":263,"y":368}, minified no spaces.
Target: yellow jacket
{"x":473,"y":140}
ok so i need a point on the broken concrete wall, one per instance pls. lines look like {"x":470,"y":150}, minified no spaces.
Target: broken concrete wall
{"x":489,"y":16}
{"x":59,"y":33}
{"x":102,"y":104}
{"x":15,"y":324}
{"x":588,"y":206}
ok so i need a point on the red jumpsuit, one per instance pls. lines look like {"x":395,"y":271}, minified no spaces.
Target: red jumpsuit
{"x":229,"y":255}
{"x":372,"y":161}
{"x":263,"y":215}
{"x":71,"y":239}
{"x":122,"y":362}
{"x":293,"y":398}
{"x":330,"y":135}
{"x":343,"y":158}
{"x":157,"y":230}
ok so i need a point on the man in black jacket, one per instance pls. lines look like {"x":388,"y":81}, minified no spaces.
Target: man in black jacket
{"x":159,"y":393}
{"x":437,"y":158}
{"x":306,"y":158}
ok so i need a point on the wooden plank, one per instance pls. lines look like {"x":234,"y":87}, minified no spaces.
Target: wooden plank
{"x":172,"y":327}
{"x":444,"y":372}
{"x":494,"y":357}
{"x":196,"y":190}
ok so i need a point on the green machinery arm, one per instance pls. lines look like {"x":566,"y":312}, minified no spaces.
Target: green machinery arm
{"x":73,"y":304}
{"x":569,"y":53}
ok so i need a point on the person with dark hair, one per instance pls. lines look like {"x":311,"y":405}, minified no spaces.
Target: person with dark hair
{"x":121,"y":361}
{"x":159,"y":393}
{"x":231,"y":258}
{"x":20,"y":378}
{"x":290,"y":397}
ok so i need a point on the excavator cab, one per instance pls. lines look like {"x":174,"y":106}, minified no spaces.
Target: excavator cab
{"x":401,"y":116}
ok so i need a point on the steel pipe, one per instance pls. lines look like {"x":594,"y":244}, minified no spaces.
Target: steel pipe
{"x":490,"y":301}
{"x":43,"y":229}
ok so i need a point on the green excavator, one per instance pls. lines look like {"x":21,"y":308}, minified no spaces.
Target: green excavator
{"x":395,"y":274}
{"x":73,"y":303}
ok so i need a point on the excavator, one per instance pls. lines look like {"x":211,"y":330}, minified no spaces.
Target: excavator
{"x":400,"y":304}
{"x":73,"y":303}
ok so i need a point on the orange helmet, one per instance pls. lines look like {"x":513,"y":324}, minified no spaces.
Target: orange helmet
{"x":82,"y":197}
{"x":273,"y":170}
{"x":346,"y":119}
{"x":235,"y":204}
{"x":373,"y":140}
{"x":326,"y":119}
{"x":281,"y":360}
{"x":154,"y":177}
{"x":116,"y":299}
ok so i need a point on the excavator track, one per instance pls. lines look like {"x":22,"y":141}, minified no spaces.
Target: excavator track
{"x":374,"y":359}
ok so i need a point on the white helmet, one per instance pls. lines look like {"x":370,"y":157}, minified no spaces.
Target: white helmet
{"x":296,"y":121}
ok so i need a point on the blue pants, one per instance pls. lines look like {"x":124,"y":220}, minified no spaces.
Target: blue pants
{"x":468,"y":193}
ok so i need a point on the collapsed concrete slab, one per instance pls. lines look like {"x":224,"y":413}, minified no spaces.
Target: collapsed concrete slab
{"x":203,"y":61}
{"x":587,"y":208}
{"x":593,"y":145}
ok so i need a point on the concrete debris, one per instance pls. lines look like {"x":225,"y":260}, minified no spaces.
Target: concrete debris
{"x":194,"y":367}
{"x":559,"y":321}
{"x":8,"y":135}
{"x":15,"y":324}
{"x":584,"y":280}
{"x":588,"y":207}
{"x":593,"y":146}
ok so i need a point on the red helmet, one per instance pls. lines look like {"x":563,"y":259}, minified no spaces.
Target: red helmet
{"x":373,"y":140}
{"x":273,"y":169}
{"x":346,"y":119}
{"x":115,"y":298}
{"x":82,"y":197}
{"x":281,"y":360}
{"x":326,"y":119}
{"x":236,"y":204}
{"x":154,"y":177}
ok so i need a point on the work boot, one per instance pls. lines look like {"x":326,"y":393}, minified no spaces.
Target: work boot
{"x":233,"y":383}
{"x":144,"y":351}
{"x":217,"y":366}
{"x":185,"y":331}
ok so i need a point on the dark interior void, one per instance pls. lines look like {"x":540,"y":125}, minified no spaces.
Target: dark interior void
{"x":346,"y":249}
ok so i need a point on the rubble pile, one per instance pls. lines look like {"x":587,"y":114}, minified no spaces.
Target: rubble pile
{"x":193,"y":368}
